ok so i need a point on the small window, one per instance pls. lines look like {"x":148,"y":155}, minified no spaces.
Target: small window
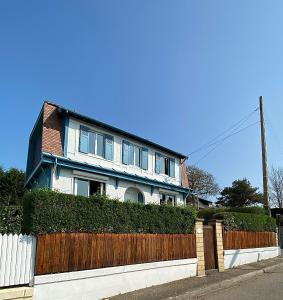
{"x":168,"y":200}
{"x":134,"y":155}
{"x":96,"y":187}
{"x":95,"y":143}
{"x":88,"y":188}
{"x":82,"y":187}
{"x":164,"y":165}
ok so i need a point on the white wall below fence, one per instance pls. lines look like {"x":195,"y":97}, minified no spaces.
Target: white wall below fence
{"x":17,"y":256}
{"x":107,"y":282}
{"x":234,"y":258}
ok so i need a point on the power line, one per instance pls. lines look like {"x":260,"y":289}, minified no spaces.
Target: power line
{"x":232,"y":128}
{"x":219,"y":143}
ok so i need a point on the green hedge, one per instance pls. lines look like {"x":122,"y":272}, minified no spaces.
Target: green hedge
{"x":11,"y":218}
{"x":234,"y":221}
{"x":209,"y":213}
{"x":46,"y":211}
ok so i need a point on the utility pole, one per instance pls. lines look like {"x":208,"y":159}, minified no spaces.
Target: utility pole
{"x":264,"y":156}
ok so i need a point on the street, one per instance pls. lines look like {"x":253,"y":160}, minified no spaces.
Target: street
{"x":262,"y":287}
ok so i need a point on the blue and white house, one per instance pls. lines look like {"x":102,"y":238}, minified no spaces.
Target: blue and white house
{"x":79,"y":155}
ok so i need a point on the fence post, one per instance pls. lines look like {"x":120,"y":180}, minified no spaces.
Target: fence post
{"x":219,"y":243}
{"x":200,"y":247}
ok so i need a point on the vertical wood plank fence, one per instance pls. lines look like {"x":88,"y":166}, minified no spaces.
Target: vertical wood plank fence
{"x":247,"y":239}
{"x":17,"y":258}
{"x":66,"y":252}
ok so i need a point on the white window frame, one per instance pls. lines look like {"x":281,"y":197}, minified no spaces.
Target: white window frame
{"x":88,"y":180}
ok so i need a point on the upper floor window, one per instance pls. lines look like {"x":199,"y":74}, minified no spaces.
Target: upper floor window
{"x":96,"y":143}
{"x":164,"y":165}
{"x":134,"y":155}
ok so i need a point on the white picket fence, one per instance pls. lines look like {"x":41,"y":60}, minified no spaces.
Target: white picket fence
{"x":17,"y":258}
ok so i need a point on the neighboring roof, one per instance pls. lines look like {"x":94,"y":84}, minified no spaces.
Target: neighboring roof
{"x":204,"y":201}
{"x":115,"y":129}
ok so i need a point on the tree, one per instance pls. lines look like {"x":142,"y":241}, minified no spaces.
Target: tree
{"x":201,"y":182}
{"x":241,"y":193}
{"x":11,"y":186}
{"x":276,"y":185}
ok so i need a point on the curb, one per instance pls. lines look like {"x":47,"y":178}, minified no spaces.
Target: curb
{"x":222,"y":284}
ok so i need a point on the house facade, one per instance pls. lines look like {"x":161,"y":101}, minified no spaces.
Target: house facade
{"x":79,"y":155}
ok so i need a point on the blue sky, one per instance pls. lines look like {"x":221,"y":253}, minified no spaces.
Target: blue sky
{"x":176,"y":72}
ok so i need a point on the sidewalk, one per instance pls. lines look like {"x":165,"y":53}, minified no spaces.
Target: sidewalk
{"x":188,"y":288}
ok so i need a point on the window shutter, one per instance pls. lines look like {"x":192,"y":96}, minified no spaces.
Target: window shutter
{"x":172,"y":167}
{"x":84,"y":139}
{"x":125,"y":154}
{"x":109,"y":147}
{"x":144,"y":159}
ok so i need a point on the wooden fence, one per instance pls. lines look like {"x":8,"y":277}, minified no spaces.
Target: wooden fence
{"x":17,"y":256}
{"x":248,"y":239}
{"x":66,"y":252}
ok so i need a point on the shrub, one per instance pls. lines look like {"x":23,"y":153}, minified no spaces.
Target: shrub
{"x":47,"y":211}
{"x":209,"y":213}
{"x":11,"y":218}
{"x":235,"y":221}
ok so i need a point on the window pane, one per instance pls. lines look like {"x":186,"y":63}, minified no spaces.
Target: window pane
{"x":100,"y":145}
{"x":109,"y":147}
{"x":162,"y":199}
{"x":131,"y":154}
{"x":172,"y":168}
{"x":84,"y":139}
{"x":137,"y":156}
{"x":171,"y":200}
{"x":157,"y":163}
{"x":82,"y":187}
{"x":125,"y":153}
{"x":91,"y":142}
{"x":144,"y":158}
{"x":166,"y":166}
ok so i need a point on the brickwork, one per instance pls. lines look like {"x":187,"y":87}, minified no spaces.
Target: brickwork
{"x":200,"y":247}
{"x":219,"y":243}
{"x":185,"y":179}
{"x":52,"y":135}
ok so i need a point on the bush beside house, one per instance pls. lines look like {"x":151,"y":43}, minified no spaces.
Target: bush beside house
{"x":11,"y":218}
{"x":48,"y":211}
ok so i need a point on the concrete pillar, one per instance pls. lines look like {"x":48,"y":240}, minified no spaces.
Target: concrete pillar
{"x":200,"y":247}
{"x":219,"y":243}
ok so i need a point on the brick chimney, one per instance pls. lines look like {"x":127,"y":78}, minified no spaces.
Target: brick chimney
{"x":52,"y":134}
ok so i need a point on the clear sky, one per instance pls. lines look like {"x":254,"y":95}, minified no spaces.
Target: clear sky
{"x":175,"y":72}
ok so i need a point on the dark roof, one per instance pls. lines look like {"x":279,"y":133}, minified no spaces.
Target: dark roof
{"x":116,"y":130}
{"x":204,"y":201}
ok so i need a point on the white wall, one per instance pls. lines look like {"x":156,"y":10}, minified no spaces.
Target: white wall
{"x":65,"y":184}
{"x":234,"y":258}
{"x":107,"y":282}
{"x":74,"y":154}
{"x":17,"y":257}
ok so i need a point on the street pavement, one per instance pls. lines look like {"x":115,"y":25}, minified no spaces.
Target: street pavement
{"x":262,"y":287}
{"x":259,"y":280}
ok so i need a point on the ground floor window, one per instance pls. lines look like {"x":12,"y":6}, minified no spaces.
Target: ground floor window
{"x":134,"y":195}
{"x":86,"y":188}
{"x":168,"y":199}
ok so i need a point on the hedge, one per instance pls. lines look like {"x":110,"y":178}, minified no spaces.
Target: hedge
{"x":209,"y":213}
{"x":234,"y":221}
{"x":48,"y":211}
{"x":11,"y":218}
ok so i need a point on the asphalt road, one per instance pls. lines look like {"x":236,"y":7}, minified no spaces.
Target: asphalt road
{"x":262,"y":287}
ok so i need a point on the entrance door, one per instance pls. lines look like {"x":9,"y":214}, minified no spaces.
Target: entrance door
{"x":209,"y":247}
